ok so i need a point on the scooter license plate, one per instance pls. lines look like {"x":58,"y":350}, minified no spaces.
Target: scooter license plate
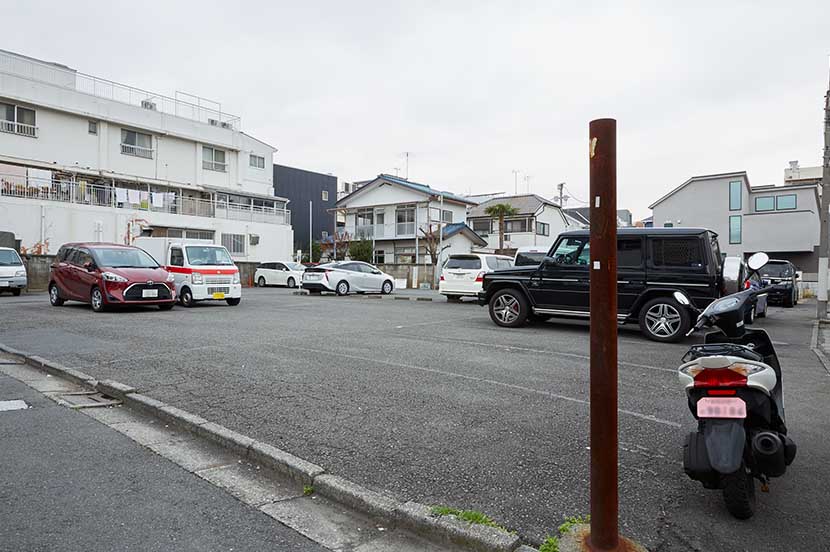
{"x":721,"y":407}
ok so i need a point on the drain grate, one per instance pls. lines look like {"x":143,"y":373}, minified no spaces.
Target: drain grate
{"x":89,"y":399}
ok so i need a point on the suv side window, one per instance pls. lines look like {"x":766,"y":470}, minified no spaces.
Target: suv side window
{"x":492,"y":262}
{"x":504,"y":263}
{"x":677,"y":253}
{"x":176,"y":257}
{"x":569,"y":252}
{"x":629,"y":252}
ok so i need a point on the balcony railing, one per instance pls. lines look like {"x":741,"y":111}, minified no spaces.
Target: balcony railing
{"x":138,"y":151}
{"x":214,"y":166}
{"x":18,"y":128}
{"x":171,"y":202}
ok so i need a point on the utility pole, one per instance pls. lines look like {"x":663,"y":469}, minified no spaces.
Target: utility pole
{"x":310,"y":235}
{"x":824,"y":238}
{"x":406,"y":154}
{"x":515,"y":182}
{"x":435,"y":269}
{"x":561,"y":188}
{"x":603,"y":301}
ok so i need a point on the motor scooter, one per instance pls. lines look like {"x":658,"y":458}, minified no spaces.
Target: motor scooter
{"x":734,"y":387}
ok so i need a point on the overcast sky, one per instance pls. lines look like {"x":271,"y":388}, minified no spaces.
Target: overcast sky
{"x":475,"y":89}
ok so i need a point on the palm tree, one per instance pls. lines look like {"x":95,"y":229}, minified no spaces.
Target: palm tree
{"x":501,"y":210}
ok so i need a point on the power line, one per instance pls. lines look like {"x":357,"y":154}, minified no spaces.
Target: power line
{"x":574,"y":197}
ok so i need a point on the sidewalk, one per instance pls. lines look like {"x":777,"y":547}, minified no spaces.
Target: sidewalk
{"x":70,"y":483}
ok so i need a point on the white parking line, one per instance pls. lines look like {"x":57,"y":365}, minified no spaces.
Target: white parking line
{"x":537,"y":351}
{"x":640,"y":415}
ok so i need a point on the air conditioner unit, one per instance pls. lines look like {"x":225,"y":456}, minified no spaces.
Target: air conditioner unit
{"x":147,"y":104}
{"x":253,"y":239}
{"x":213,"y":122}
{"x":225,"y":125}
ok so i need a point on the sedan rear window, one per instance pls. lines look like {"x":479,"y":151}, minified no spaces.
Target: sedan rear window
{"x":468,"y":262}
{"x":9,"y":257}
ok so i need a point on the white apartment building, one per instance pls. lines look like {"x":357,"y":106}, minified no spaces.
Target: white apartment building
{"x":87,"y":159}
{"x":397,"y":214}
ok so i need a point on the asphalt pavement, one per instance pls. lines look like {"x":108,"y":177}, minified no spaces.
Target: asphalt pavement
{"x":433,"y":402}
{"x":70,"y":483}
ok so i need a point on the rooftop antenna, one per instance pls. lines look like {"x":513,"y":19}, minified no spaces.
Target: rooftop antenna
{"x":515,"y":182}
{"x":527,"y":182}
{"x":397,"y":170}
{"x":406,"y":155}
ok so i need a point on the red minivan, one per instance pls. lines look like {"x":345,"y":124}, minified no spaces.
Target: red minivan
{"x":108,"y":274}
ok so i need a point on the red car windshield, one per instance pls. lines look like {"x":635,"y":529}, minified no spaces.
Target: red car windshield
{"x":122,"y":257}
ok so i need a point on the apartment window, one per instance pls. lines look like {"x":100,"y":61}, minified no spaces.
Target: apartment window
{"x":136,"y":143}
{"x":213,"y":159}
{"x":668,"y":225}
{"x":235,"y":243}
{"x":543,"y":228}
{"x":785,"y":202}
{"x":735,"y":193}
{"x":92,"y":127}
{"x":17,"y":120}
{"x":515,"y":225}
{"x":482,"y":226}
{"x":735,"y":229}
{"x":764,"y":203}
{"x":405,"y":220}
{"x":325,"y":195}
{"x":257,"y":161}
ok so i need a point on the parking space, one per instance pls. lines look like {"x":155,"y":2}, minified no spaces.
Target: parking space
{"x":433,"y":402}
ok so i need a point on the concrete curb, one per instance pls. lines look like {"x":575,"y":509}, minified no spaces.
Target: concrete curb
{"x":410,"y":515}
{"x":372,"y":296}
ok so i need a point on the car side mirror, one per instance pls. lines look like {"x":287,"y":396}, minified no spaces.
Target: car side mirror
{"x":376,"y":272}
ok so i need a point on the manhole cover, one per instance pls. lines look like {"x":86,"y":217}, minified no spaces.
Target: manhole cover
{"x":16,"y":404}
{"x":87,"y":400}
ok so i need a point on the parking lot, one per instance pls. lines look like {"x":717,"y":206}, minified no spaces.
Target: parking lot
{"x":432,"y":402}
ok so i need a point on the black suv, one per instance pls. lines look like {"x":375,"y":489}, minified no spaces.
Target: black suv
{"x":652,"y":263}
{"x":783,"y":275}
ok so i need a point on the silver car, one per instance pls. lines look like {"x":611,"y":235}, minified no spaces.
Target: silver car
{"x":12,"y":271}
{"x":345,"y":277}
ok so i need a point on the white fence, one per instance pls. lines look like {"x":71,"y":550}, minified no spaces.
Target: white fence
{"x":172,"y":202}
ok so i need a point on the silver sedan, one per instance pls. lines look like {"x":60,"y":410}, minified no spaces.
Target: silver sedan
{"x":347,"y":276}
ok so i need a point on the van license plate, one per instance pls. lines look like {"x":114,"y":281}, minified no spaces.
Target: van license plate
{"x":721,"y":407}
{"x":149,"y":293}
{"x":218,"y":295}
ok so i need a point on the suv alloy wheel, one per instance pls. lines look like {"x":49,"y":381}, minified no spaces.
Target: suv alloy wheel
{"x":663,"y":319}
{"x":509,"y":308}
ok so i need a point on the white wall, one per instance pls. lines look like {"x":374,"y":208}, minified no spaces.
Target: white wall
{"x":60,"y":223}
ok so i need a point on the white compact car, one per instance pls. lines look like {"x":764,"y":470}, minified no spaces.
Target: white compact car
{"x":462,"y":275}
{"x":347,"y":276}
{"x":12,"y":271}
{"x":279,"y":274}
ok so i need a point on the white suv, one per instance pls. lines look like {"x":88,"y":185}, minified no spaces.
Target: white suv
{"x":462,"y":275}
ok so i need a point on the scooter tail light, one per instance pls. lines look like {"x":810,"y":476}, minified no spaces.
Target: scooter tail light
{"x":722,"y":392}
{"x":721,"y":377}
{"x":747,"y":285}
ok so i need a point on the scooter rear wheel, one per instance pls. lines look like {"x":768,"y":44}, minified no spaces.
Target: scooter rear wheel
{"x":739,"y":493}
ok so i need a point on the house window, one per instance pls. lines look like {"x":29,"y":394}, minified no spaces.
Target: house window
{"x":735,"y":193}
{"x":213,"y":159}
{"x":668,"y":225}
{"x":235,"y":243}
{"x":405,"y":255}
{"x":765,"y":203}
{"x":325,"y":195}
{"x":92,"y":127}
{"x":446,"y":216}
{"x":405,"y":219}
{"x":380,"y":257}
{"x":364,"y":223}
{"x":256,"y":161}
{"x":785,"y":202}
{"x":136,"y":143}
{"x":513,"y":226}
{"x":543,"y":228}
{"x":17,"y":120}
{"x":735,"y":229}
{"x":482,"y":226}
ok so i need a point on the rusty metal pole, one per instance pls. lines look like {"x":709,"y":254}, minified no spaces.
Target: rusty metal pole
{"x":603,"y":198}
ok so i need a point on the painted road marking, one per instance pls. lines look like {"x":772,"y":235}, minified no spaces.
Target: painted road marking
{"x":6,"y":406}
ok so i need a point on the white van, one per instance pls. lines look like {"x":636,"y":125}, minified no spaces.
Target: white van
{"x":530,"y":255}
{"x":204,"y":271}
{"x":462,"y":275}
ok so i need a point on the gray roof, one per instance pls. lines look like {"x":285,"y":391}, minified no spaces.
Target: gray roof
{"x":526,"y":204}
{"x":736,"y":174}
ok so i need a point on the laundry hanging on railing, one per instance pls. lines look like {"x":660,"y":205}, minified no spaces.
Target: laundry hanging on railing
{"x":121,"y":195}
{"x":134,"y":197}
{"x":157,"y":199}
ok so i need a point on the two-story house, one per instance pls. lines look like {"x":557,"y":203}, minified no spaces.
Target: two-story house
{"x":87,"y":159}
{"x":783,"y":220}
{"x":537,"y":222}
{"x":398,"y":215}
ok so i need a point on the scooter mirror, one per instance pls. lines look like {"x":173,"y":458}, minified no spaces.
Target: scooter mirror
{"x":757,"y":260}
{"x":681,"y":298}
